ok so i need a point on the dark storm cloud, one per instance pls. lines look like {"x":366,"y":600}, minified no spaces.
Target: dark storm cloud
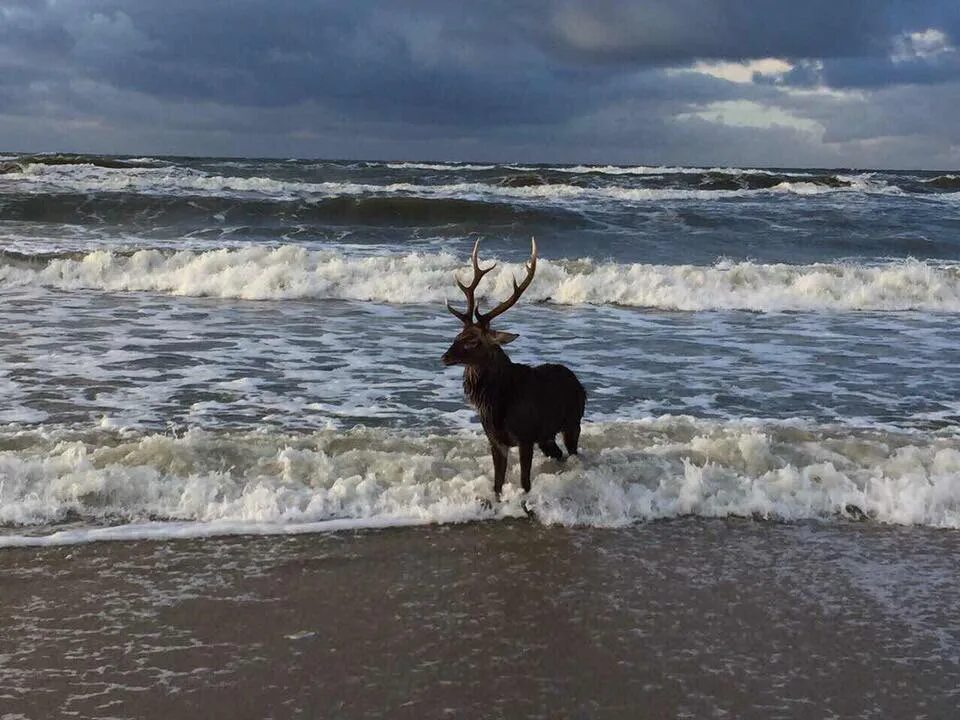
{"x":871,"y":73}
{"x":677,"y":31}
{"x":548,"y":80}
{"x":419,"y":55}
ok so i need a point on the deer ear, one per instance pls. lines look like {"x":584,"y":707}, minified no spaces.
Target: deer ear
{"x":502,"y":338}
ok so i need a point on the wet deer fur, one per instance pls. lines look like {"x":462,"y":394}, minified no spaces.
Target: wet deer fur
{"x":518,"y":405}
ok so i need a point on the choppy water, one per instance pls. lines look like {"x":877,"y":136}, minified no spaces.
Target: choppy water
{"x":201,"y":346}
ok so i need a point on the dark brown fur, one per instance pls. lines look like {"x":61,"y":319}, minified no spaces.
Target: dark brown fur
{"x":518,"y":405}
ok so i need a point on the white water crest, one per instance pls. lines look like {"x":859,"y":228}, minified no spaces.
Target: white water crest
{"x":662,"y":170}
{"x":171,"y":180}
{"x":207,"y":483}
{"x":263,"y":273}
{"x":436,"y":166}
{"x":586,"y":169}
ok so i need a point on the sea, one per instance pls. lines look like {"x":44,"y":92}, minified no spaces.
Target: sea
{"x":221,"y":377}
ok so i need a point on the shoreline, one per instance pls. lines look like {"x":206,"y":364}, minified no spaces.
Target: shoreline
{"x":689,"y":617}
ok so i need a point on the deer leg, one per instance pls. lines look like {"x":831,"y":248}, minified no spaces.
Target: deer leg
{"x":499,"y":454}
{"x":571,"y":437}
{"x":526,"y":459}
{"x":550,"y":449}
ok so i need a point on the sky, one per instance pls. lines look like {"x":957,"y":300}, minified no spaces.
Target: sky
{"x":825,"y":83}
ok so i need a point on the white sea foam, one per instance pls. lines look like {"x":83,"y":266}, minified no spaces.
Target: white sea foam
{"x":661,"y":170}
{"x":631,"y":170}
{"x":577,"y":169}
{"x":144,"y":161}
{"x":262,"y":273}
{"x":207,"y":483}
{"x":182,"y":181}
{"x":436,"y":166}
{"x":595,"y":169}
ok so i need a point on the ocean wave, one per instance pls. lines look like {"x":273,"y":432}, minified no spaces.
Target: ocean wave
{"x":150,"y":210}
{"x":436,"y":166}
{"x":801,"y":184}
{"x":21,"y":163}
{"x":144,"y":161}
{"x":262,"y":273}
{"x":702,"y":178}
{"x":656,"y":170}
{"x":584,"y":169}
{"x":183,"y":182}
{"x":950,"y":183}
{"x":577,"y":169}
{"x":220,"y":483}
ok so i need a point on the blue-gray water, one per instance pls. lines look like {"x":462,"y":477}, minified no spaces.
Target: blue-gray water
{"x":191,"y":348}
{"x":223,"y":345}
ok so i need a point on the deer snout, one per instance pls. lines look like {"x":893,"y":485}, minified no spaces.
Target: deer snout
{"x":452,"y":356}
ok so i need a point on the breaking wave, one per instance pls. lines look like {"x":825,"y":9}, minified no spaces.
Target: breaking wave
{"x":153,"y":210}
{"x":206,"y":483}
{"x":262,"y":273}
{"x":176,"y":181}
{"x":23,"y":162}
{"x":582,"y":169}
{"x":949,"y":183}
{"x":436,"y":166}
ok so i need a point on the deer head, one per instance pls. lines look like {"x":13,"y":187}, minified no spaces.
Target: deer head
{"x":477,"y":343}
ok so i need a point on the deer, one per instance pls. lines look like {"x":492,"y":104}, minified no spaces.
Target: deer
{"x":519,"y":405}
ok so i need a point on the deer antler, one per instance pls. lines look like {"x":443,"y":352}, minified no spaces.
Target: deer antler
{"x":467,"y":317}
{"x":484,"y":319}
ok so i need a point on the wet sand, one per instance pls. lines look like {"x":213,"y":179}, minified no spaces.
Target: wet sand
{"x":689,"y":618}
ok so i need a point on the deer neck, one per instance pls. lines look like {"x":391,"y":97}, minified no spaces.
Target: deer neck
{"x":483,"y":384}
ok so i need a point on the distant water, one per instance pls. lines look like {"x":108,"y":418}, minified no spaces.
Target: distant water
{"x":206,"y":346}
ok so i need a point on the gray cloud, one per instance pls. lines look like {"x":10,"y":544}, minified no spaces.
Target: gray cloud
{"x":677,"y":31}
{"x":552,"y":81}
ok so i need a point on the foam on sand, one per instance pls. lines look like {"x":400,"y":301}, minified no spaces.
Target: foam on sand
{"x":119,"y":485}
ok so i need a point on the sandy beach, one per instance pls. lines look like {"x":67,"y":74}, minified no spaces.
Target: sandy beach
{"x":688,"y":618}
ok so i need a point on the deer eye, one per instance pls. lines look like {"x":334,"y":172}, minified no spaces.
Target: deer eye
{"x":472,"y":345}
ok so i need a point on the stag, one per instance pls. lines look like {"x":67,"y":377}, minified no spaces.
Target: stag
{"x":518,"y":405}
